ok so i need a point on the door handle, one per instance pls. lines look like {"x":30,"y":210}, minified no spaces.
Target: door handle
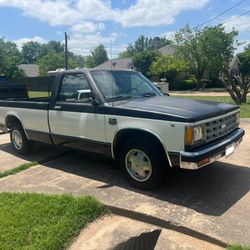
{"x":57,"y":107}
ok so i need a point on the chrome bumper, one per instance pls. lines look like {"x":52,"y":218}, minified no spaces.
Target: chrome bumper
{"x":209,"y":154}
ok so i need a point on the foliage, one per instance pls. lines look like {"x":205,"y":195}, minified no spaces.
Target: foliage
{"x":10,"y":57}
{"x":209,"y":49}
{"x":146,"y":43}
{"x":39,"y":221}
{"x":33,"y":51}
{"x":168,"y":67}
{"x":49,"y":62}
{"x":142,"y":61}
{"x":244,"y":58}
{"x":97,"y":57}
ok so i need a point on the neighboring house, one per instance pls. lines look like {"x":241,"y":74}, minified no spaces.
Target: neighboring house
{"x":30,"y":70}
{"x":126,"y":63}
{"x":168,"y":50}
{"x":123,"y":63}
{"x":234,"y":66}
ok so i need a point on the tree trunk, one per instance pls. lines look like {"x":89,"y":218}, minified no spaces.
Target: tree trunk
{"x":237,"y":93}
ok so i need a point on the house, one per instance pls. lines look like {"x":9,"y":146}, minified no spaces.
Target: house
{"x":122,"y":63}
{"x":30,"y":70}
{"x":126,"y":63}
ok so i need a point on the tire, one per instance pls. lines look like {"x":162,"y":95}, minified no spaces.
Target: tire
{"x":142,"y":163}
{"x":19,"y":140}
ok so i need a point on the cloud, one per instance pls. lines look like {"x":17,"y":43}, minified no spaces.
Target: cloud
{"x":160,"y":12}
{"x":142,"y":13}
{"x":84,"y":43}
{"x":240,"y":24}
{"x":21,"y":41}
{"x":168,"y":35}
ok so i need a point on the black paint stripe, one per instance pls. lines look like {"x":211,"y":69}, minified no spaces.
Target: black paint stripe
{"x":83,"y":144}
{"x":108,"y":110}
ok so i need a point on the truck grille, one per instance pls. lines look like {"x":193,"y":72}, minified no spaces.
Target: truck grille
{"x":220,"y":127}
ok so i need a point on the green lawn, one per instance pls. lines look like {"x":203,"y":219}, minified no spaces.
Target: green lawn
{"x":34,"y":94}
{"x":244,"y":108}
{"x":238,"y":247}
{"x":17,"y":169}
{"x":38,"y":221}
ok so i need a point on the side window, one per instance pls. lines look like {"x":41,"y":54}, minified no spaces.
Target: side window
{"x":75,"y":88}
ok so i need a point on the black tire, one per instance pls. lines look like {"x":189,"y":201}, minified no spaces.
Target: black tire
{"x":19,"y":140}
{"x":150,"y":155}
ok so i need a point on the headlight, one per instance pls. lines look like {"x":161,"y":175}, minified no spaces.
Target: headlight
{"x":197,"y":134}
{"x":238,"y":118}
{"x":194,"y":134}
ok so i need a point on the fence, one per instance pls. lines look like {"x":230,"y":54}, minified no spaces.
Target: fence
{"x":39,"y":84}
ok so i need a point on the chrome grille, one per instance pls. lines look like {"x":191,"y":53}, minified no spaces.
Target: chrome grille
{"x":220,"y":127}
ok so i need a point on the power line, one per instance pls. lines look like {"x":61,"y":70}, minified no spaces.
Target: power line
{"x":220,"y":14}
{"x":230,"y":20}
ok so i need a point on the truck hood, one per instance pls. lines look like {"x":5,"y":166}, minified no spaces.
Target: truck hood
{"x":176,"y":109}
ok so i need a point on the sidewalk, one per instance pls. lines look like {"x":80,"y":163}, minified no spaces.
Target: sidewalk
{"x":10,"y":160}
{"x":111,"y":231}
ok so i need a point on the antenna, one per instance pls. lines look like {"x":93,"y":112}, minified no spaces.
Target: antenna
{"x":111,"y":67}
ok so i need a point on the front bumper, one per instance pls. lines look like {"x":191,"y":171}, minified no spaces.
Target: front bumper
{"x":208,"y":154}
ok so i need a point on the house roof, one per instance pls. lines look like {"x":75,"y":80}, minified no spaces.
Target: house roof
{"x":31,"y":70}
{"x":122,"y":63}
{"x":168,"y":50}
{"x":234,"y":63}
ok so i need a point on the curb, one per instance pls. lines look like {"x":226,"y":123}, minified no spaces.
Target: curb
{"x":165,"y":224}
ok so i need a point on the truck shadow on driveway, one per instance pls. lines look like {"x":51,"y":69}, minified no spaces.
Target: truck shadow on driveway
{"x":211,"y":190}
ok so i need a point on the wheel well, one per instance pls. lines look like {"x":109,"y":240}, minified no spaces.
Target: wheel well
{"x":11,"y":120}
{"x":127,"y":134}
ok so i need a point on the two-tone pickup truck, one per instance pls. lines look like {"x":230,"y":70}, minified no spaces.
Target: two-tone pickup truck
{"x":121,"y":114}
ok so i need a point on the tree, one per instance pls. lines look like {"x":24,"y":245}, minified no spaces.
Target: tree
{"x":244,"y":58}
{"x":31,"y":52}
{"x":10,"y":58}
{"x":168,"y":67}
{"x":146,"y":43}
{"x":143,"y":60}
{"x":238,"y":86}
{"x":53,"y":61}
{"x":49,"y":62}
{"x":210,"y":49}
{"x":97,"y":57}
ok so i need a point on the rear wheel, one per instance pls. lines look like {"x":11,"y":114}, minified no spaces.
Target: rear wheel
{"x":19,"y":140}
{"x":142,"y":164}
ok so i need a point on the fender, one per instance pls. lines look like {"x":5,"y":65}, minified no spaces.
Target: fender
{"x":143,"y":130}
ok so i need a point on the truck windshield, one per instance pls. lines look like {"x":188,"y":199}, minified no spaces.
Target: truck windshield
{"x":122,"y":85}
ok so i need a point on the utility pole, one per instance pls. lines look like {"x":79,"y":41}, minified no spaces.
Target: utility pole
{"x":66,"y":51}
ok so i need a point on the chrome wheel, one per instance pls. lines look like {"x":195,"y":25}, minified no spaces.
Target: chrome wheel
{"x":138,"y":165}
{"x":17,"y":139}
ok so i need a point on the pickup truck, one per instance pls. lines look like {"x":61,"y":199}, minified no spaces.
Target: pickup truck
{"x":120,"y":113}
{"x":11,"y":90}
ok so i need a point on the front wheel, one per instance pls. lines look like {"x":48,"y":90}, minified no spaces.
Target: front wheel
{"x":19,"y":140}
{"x":141,"y":164}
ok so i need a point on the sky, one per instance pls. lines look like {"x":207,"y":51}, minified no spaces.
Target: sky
{"x":93,"y":22}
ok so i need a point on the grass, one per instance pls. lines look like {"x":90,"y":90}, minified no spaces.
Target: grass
{"x":39,"y":221}
{"x":17,"y":169}
{"x":244,"y":108}
{"x":36,"y":94}
{"x":238,"y":247}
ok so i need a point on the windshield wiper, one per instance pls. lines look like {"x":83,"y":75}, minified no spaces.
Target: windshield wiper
{"x":119,"y":98}
{"x":148,"y":94}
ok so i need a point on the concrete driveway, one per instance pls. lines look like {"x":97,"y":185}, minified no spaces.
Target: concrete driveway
{"x":214,"y":200}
